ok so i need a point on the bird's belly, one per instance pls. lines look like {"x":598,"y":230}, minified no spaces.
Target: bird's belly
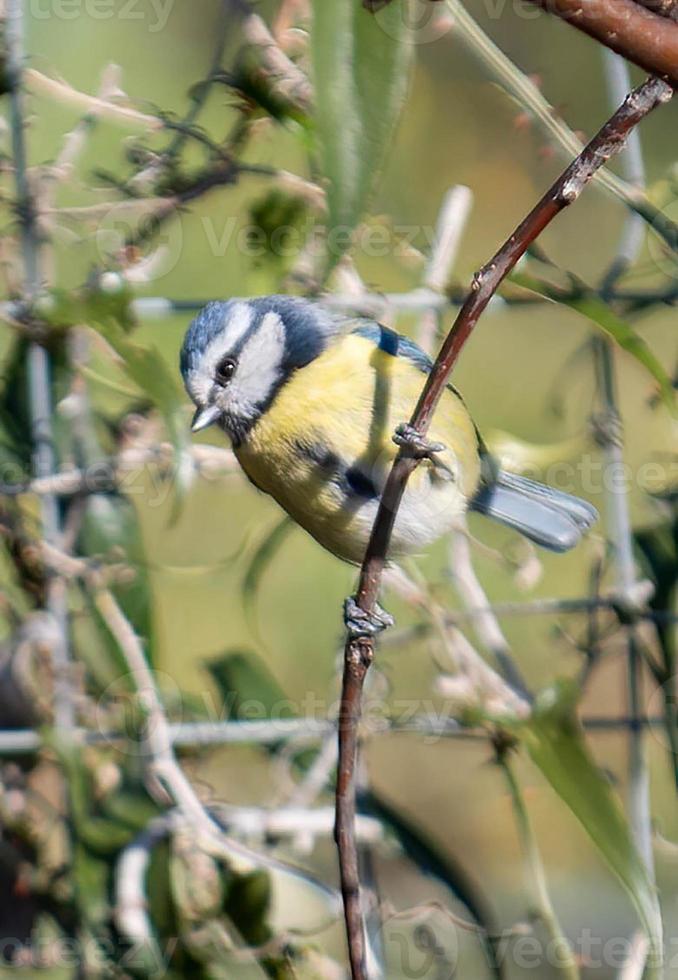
{"x":341,"y":521}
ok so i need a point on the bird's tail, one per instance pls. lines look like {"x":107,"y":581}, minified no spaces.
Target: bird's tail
{"x":551,"y":518}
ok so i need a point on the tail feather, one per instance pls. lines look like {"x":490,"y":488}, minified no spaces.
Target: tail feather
{"x":551,"y":518}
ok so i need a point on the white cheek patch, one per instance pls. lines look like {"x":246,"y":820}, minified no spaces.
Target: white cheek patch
{"x":259,"y":367}
{"x":199,"y":385}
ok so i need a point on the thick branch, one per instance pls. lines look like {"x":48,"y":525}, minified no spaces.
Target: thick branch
{"x":665,"y":8}
{"x":359,"y":653}
{"x":641,"y":36}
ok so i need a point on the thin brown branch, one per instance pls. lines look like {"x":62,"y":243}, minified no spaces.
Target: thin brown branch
{"x":634,"y":31}
{"x":359,"y":652}
{"x":164,"y":772}
{"x":485,"y":623}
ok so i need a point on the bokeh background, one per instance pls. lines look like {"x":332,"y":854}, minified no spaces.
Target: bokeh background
{"x":526,"y":371}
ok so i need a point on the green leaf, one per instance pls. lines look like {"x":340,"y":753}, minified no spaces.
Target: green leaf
{"x":604,"y":317}
{"x":361,"y":68}
{"x":249,"y":689}
{"x":16,"y":438}
{"x":556,"y":743}
{"x":247,"y":904}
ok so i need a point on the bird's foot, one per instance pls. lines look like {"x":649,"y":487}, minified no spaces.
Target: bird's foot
{"x":361,"y":624}
{"x":417,"y":445}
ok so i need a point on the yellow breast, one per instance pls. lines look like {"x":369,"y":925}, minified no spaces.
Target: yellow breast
{"x":345,"y":406}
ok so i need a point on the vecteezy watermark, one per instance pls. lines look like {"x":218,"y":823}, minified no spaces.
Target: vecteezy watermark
{"x":50,"y":952}
{"x":151,"y":480}
{"x":432,"y":944}
{"x":153,"y":14}
{"x":121,"y":714}
{"x":233,"y":234}
{"x":429,"y":949}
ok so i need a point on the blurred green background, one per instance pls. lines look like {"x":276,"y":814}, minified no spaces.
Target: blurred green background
{"x":458,"y":127}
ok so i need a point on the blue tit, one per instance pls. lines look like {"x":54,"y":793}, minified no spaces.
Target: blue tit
{"x":310,"y":401}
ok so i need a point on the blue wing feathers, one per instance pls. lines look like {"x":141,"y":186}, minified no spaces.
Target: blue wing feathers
{"x":394,"y":343}
{"x":549,"y":517}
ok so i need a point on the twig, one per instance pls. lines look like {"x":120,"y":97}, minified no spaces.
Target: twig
{"x":222,"y":174}
{"x":370,"y":304}
{"x":131,"y":902}
{"x":417,"y":300}
{"x":39,"y":84}
{"x":148,"y":176}
{"x":619,"y":518}
{"x":474,"y":678}
{"x":162,"y":764}
{"x":72,"y":147}
{"x":202,"y":91}
{"x":565,"y":961}
{"x":293,"y":821}
{"x":113,"y":472}
{"x":485,"y":624}
{"x":74,"y":141}
{"x":206,"y":734}
{"x":452,"y":220}
{"x":39,"y":386}
{"x":359,"y":652}
{"x":636,"y":33}
{"x":282,"y":73}
{"x":528,"y":94}
{"x":318,"y":775}
{"x":475,"y":684}
{"x":633,"y":169}
{"x":543,"y":607}
{"x":198,"y":735}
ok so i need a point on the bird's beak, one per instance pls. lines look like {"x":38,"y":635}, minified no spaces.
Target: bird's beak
{"x":204,"y":417}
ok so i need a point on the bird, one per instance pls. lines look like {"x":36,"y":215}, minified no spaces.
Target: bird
{"x":314,"y":403}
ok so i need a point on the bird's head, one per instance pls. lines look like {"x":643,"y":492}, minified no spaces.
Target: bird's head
{"x":237,"y":354}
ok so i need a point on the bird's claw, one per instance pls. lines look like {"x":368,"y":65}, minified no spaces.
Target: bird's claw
{"x":361,"y":624}
{"x":419,"y":446}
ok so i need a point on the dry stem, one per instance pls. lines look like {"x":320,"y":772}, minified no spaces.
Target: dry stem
{"x":633,"y":31}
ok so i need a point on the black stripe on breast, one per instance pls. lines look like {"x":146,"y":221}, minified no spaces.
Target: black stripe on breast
{"x":360,"y":484}
{"x":350,"y":478}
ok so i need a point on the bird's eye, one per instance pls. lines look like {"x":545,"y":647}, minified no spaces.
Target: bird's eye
{"x":224,"y":371}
